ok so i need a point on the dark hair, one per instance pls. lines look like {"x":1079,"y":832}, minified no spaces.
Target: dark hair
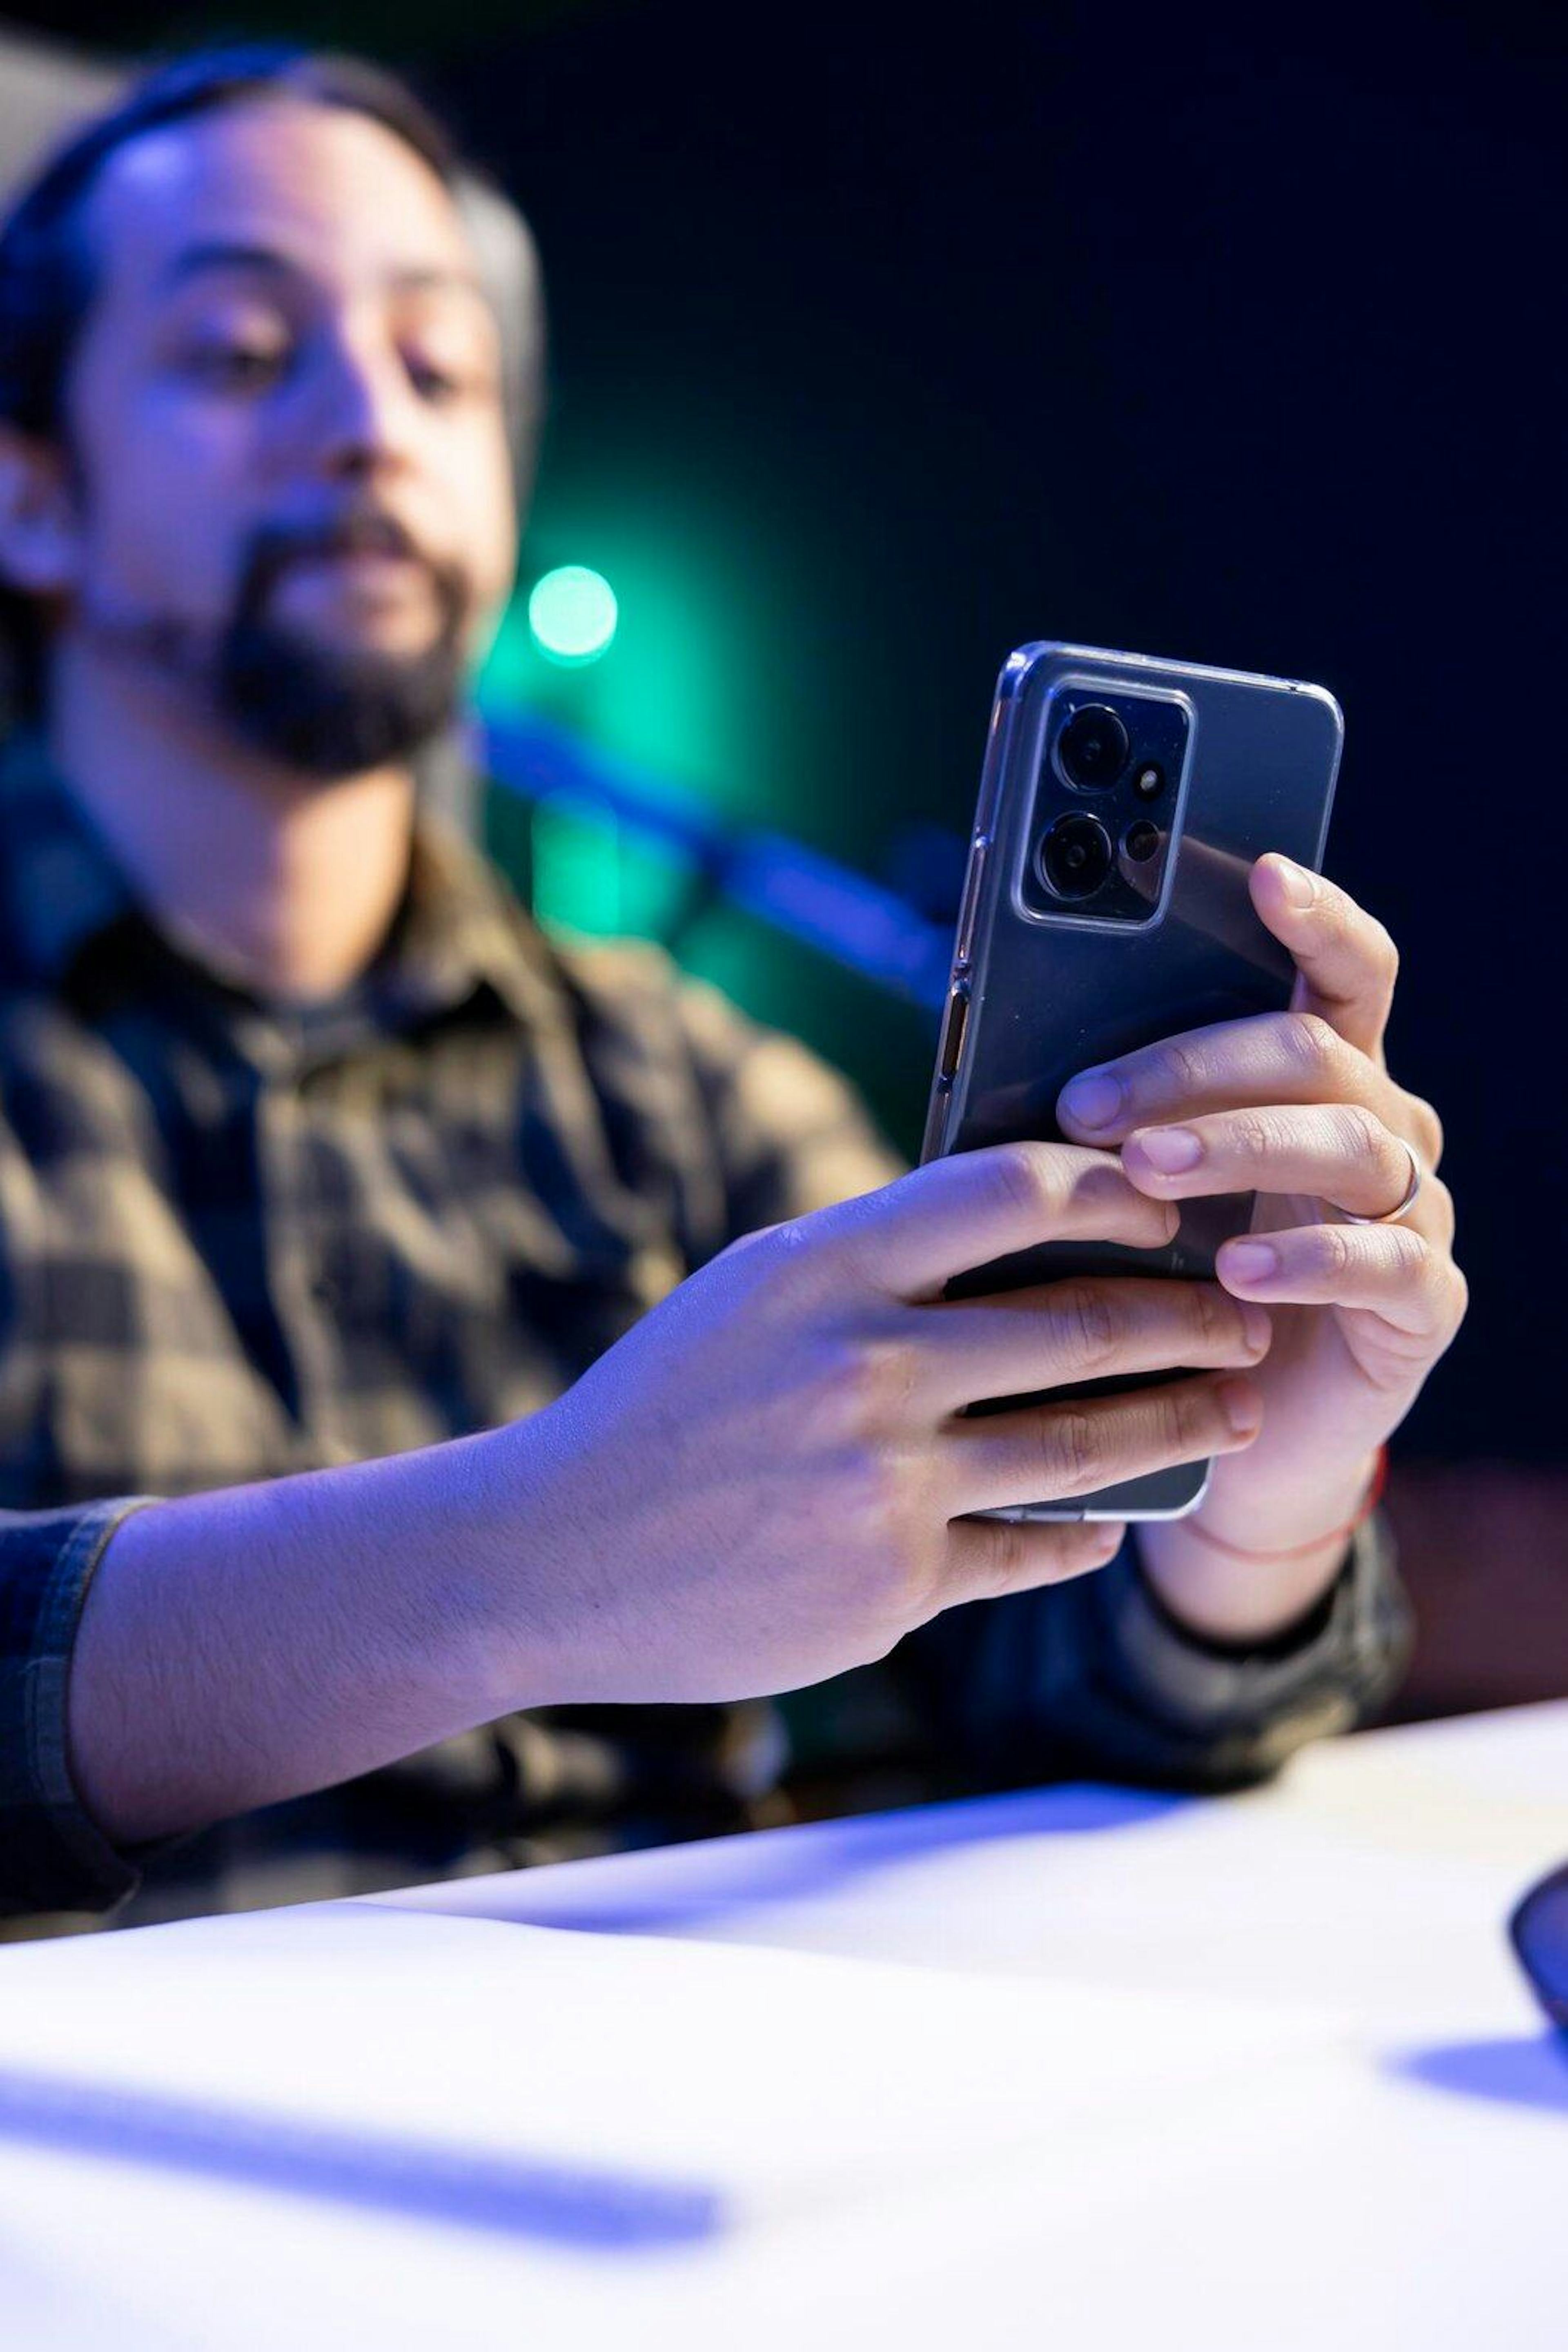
{"x":46,"y":280}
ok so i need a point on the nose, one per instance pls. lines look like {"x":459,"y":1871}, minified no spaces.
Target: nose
{"x":360,"y":411}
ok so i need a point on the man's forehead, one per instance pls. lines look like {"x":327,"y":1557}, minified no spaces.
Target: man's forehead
{"x":323,"y":188}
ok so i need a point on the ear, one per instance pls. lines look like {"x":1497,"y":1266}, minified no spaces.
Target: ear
{"x":40,"y":543}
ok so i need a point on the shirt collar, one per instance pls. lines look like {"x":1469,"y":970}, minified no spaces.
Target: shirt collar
{"x":458,"y":931}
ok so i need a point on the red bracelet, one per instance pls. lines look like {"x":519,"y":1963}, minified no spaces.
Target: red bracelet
{"x":1370,"y":1501}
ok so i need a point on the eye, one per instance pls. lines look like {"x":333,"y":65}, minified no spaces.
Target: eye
{"x":444,"y":360}
{"x":236,"y":364}
{"x":436,"y":385}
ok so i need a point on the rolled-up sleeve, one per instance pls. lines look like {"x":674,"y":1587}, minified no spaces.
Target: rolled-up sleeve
{"x":52,"y":1858}
{"x":1096,"y":1677}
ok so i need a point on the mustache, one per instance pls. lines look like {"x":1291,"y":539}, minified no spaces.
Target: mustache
{"x":279,"y":687}
{"x":352,"y":531}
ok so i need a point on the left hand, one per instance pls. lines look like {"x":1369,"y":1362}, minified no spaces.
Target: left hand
{"x":1300,"y":1107}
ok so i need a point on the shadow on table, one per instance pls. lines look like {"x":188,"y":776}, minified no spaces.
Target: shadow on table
{"x":1525,"y":2069}
{"x":519,"y":2195}
{"x":671,"y":1887}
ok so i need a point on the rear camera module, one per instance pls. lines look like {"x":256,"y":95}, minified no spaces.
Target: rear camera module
{"x":1092,"y":747}
{"x":1075,"y":856}
{"x":1102,"y":826}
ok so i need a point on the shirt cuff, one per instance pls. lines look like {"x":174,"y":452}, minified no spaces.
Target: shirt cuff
{"x":1218,"y":1716}
{"x":53,"y":1856}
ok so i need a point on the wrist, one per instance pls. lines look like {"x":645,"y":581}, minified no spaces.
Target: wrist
{"x":1263,"y":1569}
{"x":506,"y":1624}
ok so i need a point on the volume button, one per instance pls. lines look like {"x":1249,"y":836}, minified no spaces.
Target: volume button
{"x":961,"y":953}
{"x":953,"y":1031}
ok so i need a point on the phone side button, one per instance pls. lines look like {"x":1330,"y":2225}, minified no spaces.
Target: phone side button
{"x":978,"y":848}
{"x":952,"y":1030}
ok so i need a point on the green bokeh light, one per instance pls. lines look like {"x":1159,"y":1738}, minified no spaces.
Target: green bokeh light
{"x":674,"y":699}
{"x":573,"y":612}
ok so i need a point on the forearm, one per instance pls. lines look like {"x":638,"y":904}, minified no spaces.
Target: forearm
{"x":242,"y":1647}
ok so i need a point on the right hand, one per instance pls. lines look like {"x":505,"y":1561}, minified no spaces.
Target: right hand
{"x":765,"y":1481}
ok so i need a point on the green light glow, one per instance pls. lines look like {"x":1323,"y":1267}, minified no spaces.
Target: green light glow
{"x":572,"y":614}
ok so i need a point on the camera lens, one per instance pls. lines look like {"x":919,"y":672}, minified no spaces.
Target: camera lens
{"x":1140,"y":840}
{"x":1075,"y":856}
{"x":1093,"y":746}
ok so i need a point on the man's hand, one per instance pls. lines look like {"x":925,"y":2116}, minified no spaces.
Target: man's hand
{"x":765,"y":1482}
{"x":756,"y":1488}
{"x":1300,"y":1107}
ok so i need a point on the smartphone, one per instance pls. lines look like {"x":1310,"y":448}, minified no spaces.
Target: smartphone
{"x":1122,"y":803}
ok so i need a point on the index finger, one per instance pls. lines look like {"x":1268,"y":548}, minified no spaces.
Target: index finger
{"x":911,"y":1237}
{"x":1346,"y":962}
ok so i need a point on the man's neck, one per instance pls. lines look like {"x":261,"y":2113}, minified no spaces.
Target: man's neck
{"x":283,"y":882}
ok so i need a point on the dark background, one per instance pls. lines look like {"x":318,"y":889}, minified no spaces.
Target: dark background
{"x":1239,"y":345}
{"x":1231,"y":335}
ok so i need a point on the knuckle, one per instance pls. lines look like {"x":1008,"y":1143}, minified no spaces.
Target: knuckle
{"x":830,"y":1393}
{"x":1213,"y":1316}
{"x":1365,"y":1137}
{"x":1186,"y":1065}
{"x":877,"y":1520}
{"x":756,"y":1253}
{"x":1384,"y":951}
{"x":1437,"y":1281}
{"x":1004,"y":1558}
{"x":1185,"y":1418}
{"x":1252,"y":1136}
{"x":1025,"y":1175}
{"x":774,"y":1259}
{"x":1415,"y":1262}
{"x":877,"y":1382}
{"x":1337,"y":1249}
{"x":1312,"y":1043}
{"x":1094,"y":1325}
{"x":1014,"y":1554}
{"x":1414,"y":1251}
{"x":1075,"y":1450}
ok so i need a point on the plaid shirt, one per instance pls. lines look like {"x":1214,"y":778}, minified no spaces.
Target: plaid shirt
{"x":237,"y":1240}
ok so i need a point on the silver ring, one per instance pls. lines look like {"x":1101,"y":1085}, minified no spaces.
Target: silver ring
{"x":1392,"y":1216}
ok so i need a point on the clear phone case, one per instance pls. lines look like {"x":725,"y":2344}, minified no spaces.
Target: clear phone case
{"x":1044,"y":986}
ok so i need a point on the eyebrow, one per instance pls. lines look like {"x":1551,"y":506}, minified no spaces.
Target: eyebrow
{"x":264,"y":260}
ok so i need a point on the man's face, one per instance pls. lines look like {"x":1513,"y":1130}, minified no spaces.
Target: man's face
{"x":285,"y":418}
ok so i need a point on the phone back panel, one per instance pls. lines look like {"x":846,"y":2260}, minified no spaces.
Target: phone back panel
{"x":1042,"y":996}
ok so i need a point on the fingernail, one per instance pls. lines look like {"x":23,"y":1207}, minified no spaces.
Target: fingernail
{"x":1171,"y":1149}
{"x":1239,"y":1406}
{"x":1299,"y":887}
{"x":1251,"y":1261}
{"x":1092,"y":1100}
{"x":1257,"y":1326}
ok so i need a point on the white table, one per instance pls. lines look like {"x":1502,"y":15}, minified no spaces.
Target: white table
{"x":1076,"y":2068}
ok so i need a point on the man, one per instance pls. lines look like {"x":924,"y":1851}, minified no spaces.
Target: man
{"x":532,"y":1342}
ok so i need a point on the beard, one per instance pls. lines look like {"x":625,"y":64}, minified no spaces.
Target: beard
{"x":331,"y":710}
{"x":327,"y":711}
{"x":320,"y":709}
